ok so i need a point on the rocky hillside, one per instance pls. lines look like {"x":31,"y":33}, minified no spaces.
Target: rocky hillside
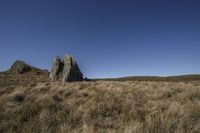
{"x":20,"y":67}
{"x":21,"y":73}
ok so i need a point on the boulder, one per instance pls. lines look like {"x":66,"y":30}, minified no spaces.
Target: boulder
{"x":66,"y":70}
{"x":71,"y":71}
{"x":56,"y":70}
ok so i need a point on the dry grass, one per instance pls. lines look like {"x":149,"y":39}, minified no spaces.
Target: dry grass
{"x":102,"y":106}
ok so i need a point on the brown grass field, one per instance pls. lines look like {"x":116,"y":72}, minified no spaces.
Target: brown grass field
{"x":30,"y":103}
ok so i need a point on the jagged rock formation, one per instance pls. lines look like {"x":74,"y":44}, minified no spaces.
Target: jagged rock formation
{"x":66,"y":70}
{"x":71,"y":71}
{"x":20,"y":67}
{"x":56,"y":70}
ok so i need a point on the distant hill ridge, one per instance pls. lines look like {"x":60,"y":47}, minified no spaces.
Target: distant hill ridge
{"x":189,"y":77}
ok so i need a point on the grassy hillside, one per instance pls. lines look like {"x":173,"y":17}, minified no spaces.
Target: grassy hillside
{"x":155,"y":78}
{"x":32,"y":103}
{"x":33,"y":77}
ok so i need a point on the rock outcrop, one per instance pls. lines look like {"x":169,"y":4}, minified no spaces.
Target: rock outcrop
{"x":66,"y":70}
{"x":20,"y":67}
{"x":56,"y":70}
{"x":71,"y":71}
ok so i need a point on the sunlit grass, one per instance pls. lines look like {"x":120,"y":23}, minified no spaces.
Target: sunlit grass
{"x":101,"y":106}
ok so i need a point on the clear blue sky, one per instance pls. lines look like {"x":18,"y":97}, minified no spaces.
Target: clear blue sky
{"x":108,"y":38}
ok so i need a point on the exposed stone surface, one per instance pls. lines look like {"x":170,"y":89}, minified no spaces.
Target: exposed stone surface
{"x":20,"y":67}
{"x":71,"y":71}
{"x":66,"y":70}
{"x":56,"y":70}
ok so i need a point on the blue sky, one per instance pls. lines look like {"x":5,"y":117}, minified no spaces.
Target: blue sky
{"x":108,"y":38}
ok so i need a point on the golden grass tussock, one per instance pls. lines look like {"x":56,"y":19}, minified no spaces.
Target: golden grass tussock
{"x":101,"y":106}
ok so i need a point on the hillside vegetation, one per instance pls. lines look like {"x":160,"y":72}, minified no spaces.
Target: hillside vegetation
{"x":193,"y":77}
{"x":32,"y":103}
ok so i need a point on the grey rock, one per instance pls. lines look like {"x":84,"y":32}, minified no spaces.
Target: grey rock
{"x":71,"y":71}
{"x":20,"y":67}
{"x":66,"y":70}
{"x":56,"y":70}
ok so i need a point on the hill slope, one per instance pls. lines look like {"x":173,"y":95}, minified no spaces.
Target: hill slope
{"x":191,"y":77}
{"x":29,"y":102}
